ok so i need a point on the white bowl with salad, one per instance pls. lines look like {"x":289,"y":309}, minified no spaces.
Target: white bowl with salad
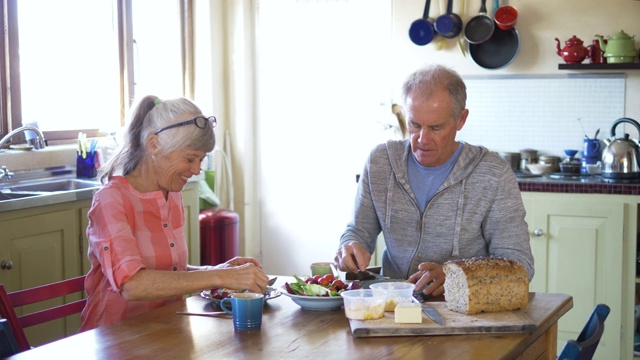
{"x":316,"y":293}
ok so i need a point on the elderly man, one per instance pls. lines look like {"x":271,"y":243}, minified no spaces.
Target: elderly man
{"x":434,"y":198}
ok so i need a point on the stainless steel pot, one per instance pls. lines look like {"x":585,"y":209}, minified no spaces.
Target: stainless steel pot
{"x":554,"y":161}
{"x":512,"y":158}
{"x":621,"y":155}
{"x":528,"y":156}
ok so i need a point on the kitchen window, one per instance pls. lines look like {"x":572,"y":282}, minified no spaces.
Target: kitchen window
{"x":77,"y":65}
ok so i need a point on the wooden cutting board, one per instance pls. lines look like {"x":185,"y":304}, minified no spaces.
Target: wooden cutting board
{"x":500,"y":322}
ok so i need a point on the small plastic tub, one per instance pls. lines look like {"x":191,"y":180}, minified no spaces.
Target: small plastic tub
{"x":364,"y":304}
{"x":397,"y":292}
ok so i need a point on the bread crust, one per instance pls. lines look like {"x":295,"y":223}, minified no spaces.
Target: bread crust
{"x":485,"y":285}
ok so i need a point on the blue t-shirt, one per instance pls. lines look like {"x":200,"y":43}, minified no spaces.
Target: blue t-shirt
{"x":425,"y":180}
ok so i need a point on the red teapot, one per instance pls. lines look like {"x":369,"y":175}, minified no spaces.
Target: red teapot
{"x":574,"y":52}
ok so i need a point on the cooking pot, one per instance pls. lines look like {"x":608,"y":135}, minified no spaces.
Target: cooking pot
{"x":512,"y":158}
{"x":621,"y":155}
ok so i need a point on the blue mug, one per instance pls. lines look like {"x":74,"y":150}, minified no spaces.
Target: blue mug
{"x":591,"y":149}
{"x":246,"y":309}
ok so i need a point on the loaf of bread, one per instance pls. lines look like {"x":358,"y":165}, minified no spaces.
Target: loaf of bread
{"x":485,"y":285}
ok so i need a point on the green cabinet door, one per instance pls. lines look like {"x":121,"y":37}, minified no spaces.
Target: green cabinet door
{"x":191,"y":201}
{"x":577,"y":243}
{"x":42,"y":249}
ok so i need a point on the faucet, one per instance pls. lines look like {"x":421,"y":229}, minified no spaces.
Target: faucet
{"x":5,"y":174}
{"x":40,"y":142}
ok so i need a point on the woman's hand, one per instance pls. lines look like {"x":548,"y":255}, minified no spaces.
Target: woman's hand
{"x":429,"y":273}
{"x":237,"y":261}
{"x":247,"y":276}
{"x":352,"y":257}
{"x":241,"y":273}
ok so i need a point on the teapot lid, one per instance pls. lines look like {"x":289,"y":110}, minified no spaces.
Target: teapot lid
{"x":620,"y":35}
{"x":574,"y":39}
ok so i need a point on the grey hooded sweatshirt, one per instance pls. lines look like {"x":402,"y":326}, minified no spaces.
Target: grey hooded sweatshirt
{"x":476,"y":212}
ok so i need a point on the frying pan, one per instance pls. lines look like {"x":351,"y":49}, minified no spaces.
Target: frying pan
{"x":499,"y":51}
{"x":421,"y":31}
{"x":480,"y":28}
{"x":449,"y":25}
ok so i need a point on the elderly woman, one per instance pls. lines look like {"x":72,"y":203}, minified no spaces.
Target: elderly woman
{"x":137,"y":245}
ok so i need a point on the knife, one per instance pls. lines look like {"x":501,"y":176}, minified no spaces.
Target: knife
{"x":419,"y":295}
{"x":368,"y":274}
{"x":433,"y":314}
{"x":210,"y":313}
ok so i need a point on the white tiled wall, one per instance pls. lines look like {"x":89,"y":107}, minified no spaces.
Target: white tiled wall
{"x":510,"y":113}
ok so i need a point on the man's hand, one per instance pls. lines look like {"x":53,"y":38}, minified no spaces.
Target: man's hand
{"x":352,"y":257}
{"x":432,"y":274}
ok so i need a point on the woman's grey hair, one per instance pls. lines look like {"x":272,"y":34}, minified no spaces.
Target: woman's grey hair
{"x":148,"y":116}
{"x":425,"y":82}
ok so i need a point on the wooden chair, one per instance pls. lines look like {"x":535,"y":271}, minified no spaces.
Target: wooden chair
{"x":585,"y":345}
{"x":9,"y":301}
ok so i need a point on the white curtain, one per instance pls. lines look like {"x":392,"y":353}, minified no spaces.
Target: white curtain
{"x":324,"y":101}
{"x":301,"y":90}
{"x":224,"y":87}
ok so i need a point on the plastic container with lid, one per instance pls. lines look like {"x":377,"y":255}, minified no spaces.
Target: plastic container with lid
{"x":364,"y":304}
{"x":397,"y":292}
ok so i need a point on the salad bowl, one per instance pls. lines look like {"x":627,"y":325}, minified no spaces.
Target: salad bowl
{"x":316,"y":303}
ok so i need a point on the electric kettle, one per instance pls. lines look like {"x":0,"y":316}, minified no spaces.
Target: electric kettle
{"x":620,"y":156}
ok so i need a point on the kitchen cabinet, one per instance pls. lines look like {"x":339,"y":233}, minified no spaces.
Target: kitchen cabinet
{"x":191,"y":201}
{"x":584,"y":245}
{"x":84,"y":223}
{"x":39,"y":246}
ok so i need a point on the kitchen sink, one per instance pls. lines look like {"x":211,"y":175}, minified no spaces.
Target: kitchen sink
{"x":17,"y":195}
{"x":33,"y":189}
{"x":52,"y":186}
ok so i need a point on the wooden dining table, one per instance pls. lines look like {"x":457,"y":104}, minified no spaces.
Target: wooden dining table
{"x":290,"y":332}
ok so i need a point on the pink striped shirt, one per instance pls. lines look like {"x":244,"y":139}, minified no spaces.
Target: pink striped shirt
{"x":129,"y":231}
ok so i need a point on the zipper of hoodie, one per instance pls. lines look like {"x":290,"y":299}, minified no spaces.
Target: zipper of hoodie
{"x":421,"y":232}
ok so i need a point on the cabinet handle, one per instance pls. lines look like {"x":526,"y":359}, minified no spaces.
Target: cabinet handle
{"x":6,"y":265}
{"x":538,"y":232}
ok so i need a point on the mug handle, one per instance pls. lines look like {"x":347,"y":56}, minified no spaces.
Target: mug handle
{"x":222,"y":305}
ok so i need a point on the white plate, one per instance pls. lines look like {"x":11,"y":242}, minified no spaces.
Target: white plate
{"x":271,"y":294}
{"x":317,"y":303}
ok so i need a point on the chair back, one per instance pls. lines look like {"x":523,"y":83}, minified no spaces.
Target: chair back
{"x":585,"y":345}
{"x":9,"y":301}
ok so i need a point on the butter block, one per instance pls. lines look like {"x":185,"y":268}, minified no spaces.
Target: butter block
{"x":408,"y":313}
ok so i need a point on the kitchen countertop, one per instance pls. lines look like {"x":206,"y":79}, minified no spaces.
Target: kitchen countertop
{"x":591,"y":184}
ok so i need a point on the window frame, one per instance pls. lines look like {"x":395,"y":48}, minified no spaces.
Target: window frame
{"x":10,"y":95}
